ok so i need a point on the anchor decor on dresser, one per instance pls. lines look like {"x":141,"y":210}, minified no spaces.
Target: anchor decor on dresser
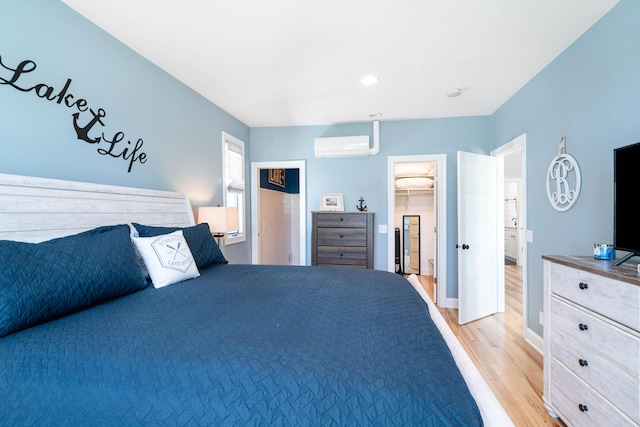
{"x":563,"y":179}
{"x":361,"y":207}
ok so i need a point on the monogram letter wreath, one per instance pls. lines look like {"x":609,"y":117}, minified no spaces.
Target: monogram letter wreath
{"x":563,"y":179}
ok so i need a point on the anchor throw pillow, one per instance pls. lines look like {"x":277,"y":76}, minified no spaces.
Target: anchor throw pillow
{"x":167,"y":258}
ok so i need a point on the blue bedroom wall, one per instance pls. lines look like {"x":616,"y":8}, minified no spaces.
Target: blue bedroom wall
{"x":367,"y":176}
{"x":181,"y":132}
{"x":591,"y":95}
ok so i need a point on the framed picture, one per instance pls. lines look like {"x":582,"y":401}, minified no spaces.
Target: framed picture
{"x":331,"y":202}
{"x":276,"y":177}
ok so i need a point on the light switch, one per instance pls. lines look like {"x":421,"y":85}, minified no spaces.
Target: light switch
{"x":382,"y":228}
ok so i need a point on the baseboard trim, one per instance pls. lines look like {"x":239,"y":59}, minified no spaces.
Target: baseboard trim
{"x":450,"y":303}
{"x":535,"y":340}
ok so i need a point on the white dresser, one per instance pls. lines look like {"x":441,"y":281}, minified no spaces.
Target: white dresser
{"x":592,"y":341}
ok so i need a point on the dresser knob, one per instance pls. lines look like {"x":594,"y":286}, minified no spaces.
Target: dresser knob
{"x":583,"y":408}
{"x":583,"y":362}
{"x":341,"y":254}
{"x":583,"y":327}
{"x":341,"y":236}
{"x":583,"y":285}
{"x":341,"y":219}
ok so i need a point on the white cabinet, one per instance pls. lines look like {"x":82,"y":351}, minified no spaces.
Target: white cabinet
{"x":592,"y":341}
{"x":511,"y":244}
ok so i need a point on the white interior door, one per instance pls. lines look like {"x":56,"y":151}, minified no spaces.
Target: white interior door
{"x":478,"y":233}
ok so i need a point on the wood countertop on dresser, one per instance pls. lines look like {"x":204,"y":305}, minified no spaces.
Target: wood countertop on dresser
{"x":627,"y":272}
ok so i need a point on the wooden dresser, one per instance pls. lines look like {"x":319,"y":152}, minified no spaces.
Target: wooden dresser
{"x":342,"y":239}
{"x":592,"y":341}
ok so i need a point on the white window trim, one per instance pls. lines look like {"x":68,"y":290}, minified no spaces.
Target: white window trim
{"x":231,"y":239}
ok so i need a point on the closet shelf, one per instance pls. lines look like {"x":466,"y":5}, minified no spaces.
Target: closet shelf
{"x":408,"y":191}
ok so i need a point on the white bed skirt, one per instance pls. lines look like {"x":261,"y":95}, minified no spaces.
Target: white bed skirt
{"x":493,"y":414}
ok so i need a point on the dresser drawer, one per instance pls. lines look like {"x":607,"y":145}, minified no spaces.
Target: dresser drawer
{"x":569,"y":394}
{"x":342,"y":237}
{"x":614,"y":299}
{"x":341,"y":219}
{"x":347,"y":255}
{"x":603,"y":356}
{"x":615,"y":345}
{"x":616,"y":386}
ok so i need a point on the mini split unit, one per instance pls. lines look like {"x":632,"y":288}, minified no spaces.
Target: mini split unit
{"x":348,"y":146}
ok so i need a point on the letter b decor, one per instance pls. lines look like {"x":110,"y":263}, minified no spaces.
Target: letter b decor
{"x":563,"y":180}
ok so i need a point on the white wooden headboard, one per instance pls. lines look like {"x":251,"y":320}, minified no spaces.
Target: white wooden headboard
{"x":37,"y":209}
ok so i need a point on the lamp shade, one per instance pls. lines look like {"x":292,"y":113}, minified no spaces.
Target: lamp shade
{"x":221,"y":220}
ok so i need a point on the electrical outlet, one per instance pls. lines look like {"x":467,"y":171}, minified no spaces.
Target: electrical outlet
{"x":382,"y":228}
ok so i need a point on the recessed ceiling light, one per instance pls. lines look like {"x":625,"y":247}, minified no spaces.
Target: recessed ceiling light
{"x":454,"y":92}
{"x":369,"y":80}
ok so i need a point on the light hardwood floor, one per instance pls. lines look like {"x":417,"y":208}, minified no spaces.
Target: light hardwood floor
{"x":511,"y":367}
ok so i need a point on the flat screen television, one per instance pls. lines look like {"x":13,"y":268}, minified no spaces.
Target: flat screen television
{"x":626,"y":227}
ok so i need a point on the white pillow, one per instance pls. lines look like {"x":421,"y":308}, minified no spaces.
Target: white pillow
{"x":414,"y":183}
{"x":404,"y":170}
{"x":167,"y":258}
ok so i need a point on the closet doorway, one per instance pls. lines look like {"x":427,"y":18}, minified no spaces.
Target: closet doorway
{"x":417,"y":193}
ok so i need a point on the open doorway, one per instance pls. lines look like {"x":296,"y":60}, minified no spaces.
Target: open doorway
{"x":515,"y":220}
{"x":417,"y":188}
{"x":278,"y":213}
{"x":414,"y":218}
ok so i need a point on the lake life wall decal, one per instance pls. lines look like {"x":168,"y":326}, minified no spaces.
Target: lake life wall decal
{"x":85,"y":119}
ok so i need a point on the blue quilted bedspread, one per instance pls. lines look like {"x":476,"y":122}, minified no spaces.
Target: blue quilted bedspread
{"x":241,"y":345}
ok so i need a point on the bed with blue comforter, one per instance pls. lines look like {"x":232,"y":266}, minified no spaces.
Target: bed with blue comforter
{"x":238,"y":345}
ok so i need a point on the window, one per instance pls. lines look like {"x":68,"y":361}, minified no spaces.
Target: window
{"x":233,"y":182}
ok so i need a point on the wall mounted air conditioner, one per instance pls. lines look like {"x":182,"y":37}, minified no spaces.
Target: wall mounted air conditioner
{"x":342,"y":146}
{"x":348,"y":146}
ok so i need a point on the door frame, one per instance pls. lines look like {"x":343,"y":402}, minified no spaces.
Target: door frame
{"x":440,"y":179}
{"x":519,"y":144}
{"x":255,"y":204}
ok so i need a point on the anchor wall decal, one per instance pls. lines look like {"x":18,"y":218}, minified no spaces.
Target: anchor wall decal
{"x":83,"y":132}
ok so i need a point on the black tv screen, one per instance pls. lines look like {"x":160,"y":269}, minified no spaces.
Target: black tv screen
{"x":626,"y":229}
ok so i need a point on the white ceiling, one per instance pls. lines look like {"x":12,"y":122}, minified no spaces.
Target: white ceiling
{"x":299,"y":62}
